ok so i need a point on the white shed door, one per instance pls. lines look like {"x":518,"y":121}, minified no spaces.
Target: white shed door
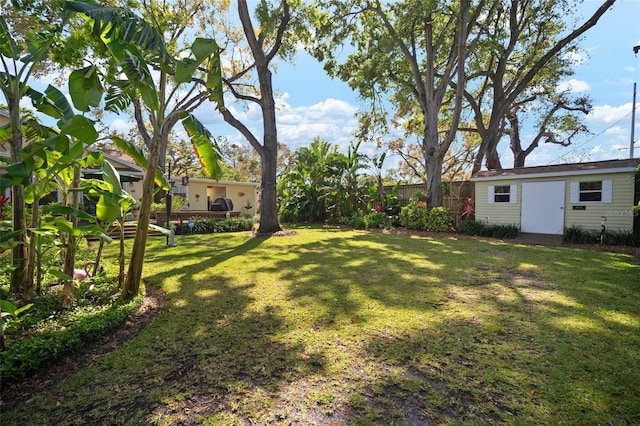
{"x":543,"y":207}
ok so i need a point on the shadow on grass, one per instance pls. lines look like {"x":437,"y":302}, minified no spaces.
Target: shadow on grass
{"x":363,"y":328}
{"x":510,"y":332}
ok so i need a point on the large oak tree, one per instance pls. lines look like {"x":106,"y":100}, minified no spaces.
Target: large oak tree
{"x":409,"y":52}
{"x":521,"y":50}
{"x":249,"y":78}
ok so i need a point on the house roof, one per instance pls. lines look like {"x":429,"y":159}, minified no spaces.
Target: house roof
{"x":122,"y":159}
{"x":608,"y":166}
{"x":223,"y":182}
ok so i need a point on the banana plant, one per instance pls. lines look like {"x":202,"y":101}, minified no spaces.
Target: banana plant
{"x":135,"y":47}
{"x":113,"y":205}
{"x":68,"y":146}
{"x":19,"y":60}
{"x":52,"y":160}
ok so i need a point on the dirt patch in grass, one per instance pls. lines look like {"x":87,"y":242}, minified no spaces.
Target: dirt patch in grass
{"x":88,"y":355}
{"x":283,"y":233}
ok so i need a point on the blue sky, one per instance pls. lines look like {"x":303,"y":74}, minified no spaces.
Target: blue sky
{"x":313,"y":105}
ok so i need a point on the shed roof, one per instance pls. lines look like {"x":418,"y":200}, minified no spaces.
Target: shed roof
{"x":607,"y":166}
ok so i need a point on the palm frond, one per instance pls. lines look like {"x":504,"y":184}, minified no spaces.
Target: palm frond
{"x":119,"y":96}
{"x":123,"y":26}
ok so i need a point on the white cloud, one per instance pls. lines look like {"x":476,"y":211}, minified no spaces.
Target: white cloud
{"x":121,"y":126}
{"x":577,"y":57}
{"x":574,"y":86}
{"x":607,"y":114}
{"x":331,"y":120}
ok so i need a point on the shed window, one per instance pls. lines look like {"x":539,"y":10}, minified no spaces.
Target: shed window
{"x":502,"y":194}
{"x":591,"y":191}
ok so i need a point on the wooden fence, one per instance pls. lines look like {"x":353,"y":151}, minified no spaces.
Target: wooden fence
{"x":454,"y":196}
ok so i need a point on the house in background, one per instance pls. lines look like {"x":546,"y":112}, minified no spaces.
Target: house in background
{"x":199,"y":193}
{"x":548,"y":199}
{"x":4,"y":117}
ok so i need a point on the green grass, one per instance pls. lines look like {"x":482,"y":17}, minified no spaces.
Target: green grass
{"x":348,"y":327}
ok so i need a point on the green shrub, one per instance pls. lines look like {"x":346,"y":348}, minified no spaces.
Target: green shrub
{"x":622,"y":238}
{"x":356,"y":221}
{"x":210,"y":225}
{"x":72,"y":330}
{"x":413,"y":216}
{"x":578,"y":235}
{"x":471,"y":227}
{"x":376,"y":220}
{"x":438,"y":220}
{"x":481,"y":229}
{"x":416,"y":216}
{"x":504,"y":231}
{"x":419,"y":197}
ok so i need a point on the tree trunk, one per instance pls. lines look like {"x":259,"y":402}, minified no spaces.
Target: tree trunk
{"x":269,"y":213}
{"x":1,"y":332}
{"x":493,"y":159}
{"x":269,"y":210}
{"x":21,"y":284}
{"x":72,"y":242}
{"x":519,"y":159}
{"x":434,"y":180}
{"x":121,"y":264}
{"x":33,"y":244}
{"x":431,"y":151}
{"x":134,"y":274}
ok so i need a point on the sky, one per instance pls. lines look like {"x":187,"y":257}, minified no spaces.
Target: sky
{"x":311,"y":104}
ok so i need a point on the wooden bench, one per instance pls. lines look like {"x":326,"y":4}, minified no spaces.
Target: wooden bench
{"x":161,"y":217}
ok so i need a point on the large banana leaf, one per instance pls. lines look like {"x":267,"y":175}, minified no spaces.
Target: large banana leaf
{"x":67,"y":210}
{"x":81,"y":128}
{"x":8,"y":46}
{"x":112,"y":177}
{"x":7,"y":238}
{"x":214,"y":81}
{"x":208,"y":152}
{"x":5,"y":132}
{"x":202,"y":49}
{"x":85,"y":88}
{"x":121,"y":24}
{"x":136,"y":69}
{"x":138,"y":156}
{"x":126,"y":35}
{"x":108,"y":207}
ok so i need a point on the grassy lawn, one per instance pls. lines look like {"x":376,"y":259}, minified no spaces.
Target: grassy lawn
{"x":349,"y":327}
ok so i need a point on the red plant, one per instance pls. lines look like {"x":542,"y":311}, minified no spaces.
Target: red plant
{"x":467,"y":209}
{"x":4,"y":200}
